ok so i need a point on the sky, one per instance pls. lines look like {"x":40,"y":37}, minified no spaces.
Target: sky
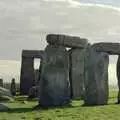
{"x":25,"y":23}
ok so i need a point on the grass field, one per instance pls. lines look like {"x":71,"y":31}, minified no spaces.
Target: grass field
{"x":24,"y":111}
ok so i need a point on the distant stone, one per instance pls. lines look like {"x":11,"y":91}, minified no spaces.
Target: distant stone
{"x":27,"y":78}
{"x":66,"y":41}
{"x":77,"y":73}
{"x":54,"y":82}
{"x":3,"y":107}
{"x":110,"y":48}
{"x":96,"y":77}
{"x":33,"y":92}
{"x":27,"y":75}
{"x":13,"y":87}
{"x":36,"y":77}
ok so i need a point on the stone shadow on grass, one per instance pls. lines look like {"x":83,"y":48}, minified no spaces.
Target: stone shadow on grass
{"x":20,"y":110}
{"x":21,"y":98}
{"x":41,"y":108}
{"x":37,"y":108}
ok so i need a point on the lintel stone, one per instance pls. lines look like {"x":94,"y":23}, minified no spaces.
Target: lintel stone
{"x":108,"y":47}
{"x":33,"y":54}
{"x":67,"y":41}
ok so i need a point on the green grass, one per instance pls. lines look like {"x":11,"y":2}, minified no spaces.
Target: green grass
{"x":21,"y":111}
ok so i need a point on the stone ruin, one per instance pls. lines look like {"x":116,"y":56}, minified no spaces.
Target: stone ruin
{"x":76,"y":61}
{"x":27,"y":69}
{"x":80,"y":72}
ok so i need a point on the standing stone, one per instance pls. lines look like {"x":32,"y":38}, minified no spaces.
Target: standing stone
{"x":77,"y":72}
{"x":33,"y":92}
{"x":36,"y":77}
{"x":54,"y":82}
{"x":1,"y":82}
{"x":27,"y":75}
{"x":27,"y":69}
{"x":13,"y":87}
{"x":96,"y":77}
{"x":118,"y":76}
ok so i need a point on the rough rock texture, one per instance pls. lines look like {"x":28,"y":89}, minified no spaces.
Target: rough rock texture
{"x":13,"y":87}
{"x":111,"y":48}
{"x":67,"y":41}
{"x":27,"y":69}
{"x":96,"y":77}
{"x":36,"y":77}
{"x":33,"y":92}
{"x":33,"y":54}
{"x":54,"y":82}
{"x":77,"y":72}
{"x":1,"y":82}
{"x":3,"y":107}
{"x":118,"y":76}
{"x":27,"y":75}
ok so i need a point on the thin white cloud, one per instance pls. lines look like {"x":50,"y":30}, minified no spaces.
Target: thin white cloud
{"x":74,"y":3}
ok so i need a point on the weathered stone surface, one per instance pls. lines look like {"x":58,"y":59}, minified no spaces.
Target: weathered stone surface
{"x":33,"y":92}
{"x":27,"y":75}
{"x":3,"y":107}
{"x":67,"y":41}
{"x":1,"y":82}
{"x":33,"y":54}
{"x":96,"y":77}
{"x":27,"y":69}
{"x":111,"y":48}
{"x":36,"y":77}
{"x":77,"y":72}
{"x":13,"y":87}
{"x":118,"y":76}
{"x":54,"y":82}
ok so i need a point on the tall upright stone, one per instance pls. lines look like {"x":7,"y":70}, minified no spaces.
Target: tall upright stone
{"x":118,"y":77}
{"x":54,"y":82}
{"x":27,"y":75}
{"x":111,"y":49}
{"x":96,"y":77}
{"x":77,"y":73}
{"x":13,"y":87}
{"x":36,"y":77}
{"x":27,"y":78}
